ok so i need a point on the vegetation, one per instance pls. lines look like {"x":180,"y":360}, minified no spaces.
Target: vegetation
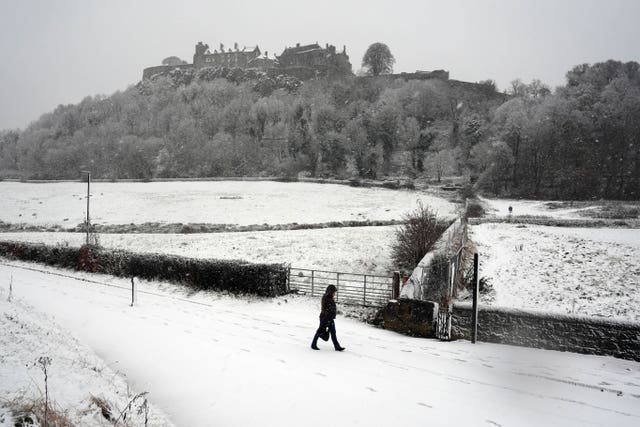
{"x":416,"y":237}
{"x":223,"y":275}
{"x":378,"y":59}
{"x":579,"y":142}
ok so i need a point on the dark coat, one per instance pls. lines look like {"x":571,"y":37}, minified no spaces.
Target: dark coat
{"x":328,"y":310}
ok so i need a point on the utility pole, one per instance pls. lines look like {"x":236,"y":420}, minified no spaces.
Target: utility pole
{"x":88,"y":219}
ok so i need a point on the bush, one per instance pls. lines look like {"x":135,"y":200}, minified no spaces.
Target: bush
{"x":474,"y":209}
{"x":201,"y":274}
{"x":416,"y":237}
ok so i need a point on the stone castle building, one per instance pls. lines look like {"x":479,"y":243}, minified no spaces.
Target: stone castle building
{"x":303,"y":62}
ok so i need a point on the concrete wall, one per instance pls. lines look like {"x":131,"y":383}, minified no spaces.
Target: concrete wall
{"x":550,"y":331}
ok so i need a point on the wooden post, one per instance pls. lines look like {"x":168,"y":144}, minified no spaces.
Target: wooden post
{"x":474,"y":312}
{"x":364,"y":292}
{"x":289,"y":279}
{"x":133,"y":295}
{"x":88,"y":195}
{"x":395,"y":285}
{"x":311,"y":282}
{"x":337,"y":285}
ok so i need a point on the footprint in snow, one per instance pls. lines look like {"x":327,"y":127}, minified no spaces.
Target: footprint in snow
{"x":371,"y":389}
{"x":320,"y":374}
{"x":406,"y":351}
{"x":487,"y":365}
{"x":493,"y":422}
{"x":282,"y":361}
{"x":247,"y":350}
{"x":425,"y":405}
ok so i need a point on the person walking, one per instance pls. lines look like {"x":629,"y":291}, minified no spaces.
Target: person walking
{"x":327,"y":316}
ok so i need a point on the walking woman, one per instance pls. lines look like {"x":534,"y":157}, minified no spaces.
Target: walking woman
{"x":327,"y":316}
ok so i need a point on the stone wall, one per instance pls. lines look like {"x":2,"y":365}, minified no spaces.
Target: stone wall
{"x":409,"y":317}
{"x":550,"y":331}
{"x":161,"y":69}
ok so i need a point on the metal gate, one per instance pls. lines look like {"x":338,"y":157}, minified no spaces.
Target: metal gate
{"x":366,"y":290}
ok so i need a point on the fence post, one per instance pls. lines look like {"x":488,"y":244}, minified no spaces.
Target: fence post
{"x":289,"y":279}
{"x":395,"y":285}
{"x":474,"y":313}
{"x":364,"y":292}
{"x":133,"y":295}
{"x":337,"y":285}
{"x":312,"y":282}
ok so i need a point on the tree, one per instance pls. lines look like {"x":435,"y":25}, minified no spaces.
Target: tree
{"x":378,"y":59}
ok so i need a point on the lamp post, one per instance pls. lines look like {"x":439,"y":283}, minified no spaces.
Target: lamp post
{"x":87,"y":221}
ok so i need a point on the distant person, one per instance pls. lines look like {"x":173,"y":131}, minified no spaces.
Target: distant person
{"x":327,"y":316}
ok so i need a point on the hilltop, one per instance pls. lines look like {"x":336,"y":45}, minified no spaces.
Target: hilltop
{"x":576,"y":142}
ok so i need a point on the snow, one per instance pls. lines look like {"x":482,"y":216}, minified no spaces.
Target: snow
{"x":75,"y":374}
{"x":587,"y":271}
{"x":353,"y":249}
{"x":500,"y":208}
{"x":215,"y":202}
{"x":210,"y":359}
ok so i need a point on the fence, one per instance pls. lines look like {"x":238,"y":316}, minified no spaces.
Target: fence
{"x":354,"y":289}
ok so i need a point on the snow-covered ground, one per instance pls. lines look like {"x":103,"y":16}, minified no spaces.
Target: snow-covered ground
{"x":75,"y":374}
{"x":587,"y":271}
{"x":215,"y":202}
{"x":500,"y":208}
{"x":208,"y":359}
{"x":353,"y":249}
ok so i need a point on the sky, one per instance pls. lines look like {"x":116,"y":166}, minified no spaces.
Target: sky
{"x":58,"y":52}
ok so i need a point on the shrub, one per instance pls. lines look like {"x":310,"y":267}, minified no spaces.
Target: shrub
{"x":201,"y":274}
{"x":416,"y":237}
{"x":474,"y":209}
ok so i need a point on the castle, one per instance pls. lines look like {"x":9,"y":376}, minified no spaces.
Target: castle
{"x":303,"y":62}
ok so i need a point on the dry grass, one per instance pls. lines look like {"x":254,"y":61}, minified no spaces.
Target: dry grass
{"x":103,"y":405}
{"x":27,"y":412}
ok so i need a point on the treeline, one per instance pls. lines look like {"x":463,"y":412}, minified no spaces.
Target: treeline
{"x":580,"y":141}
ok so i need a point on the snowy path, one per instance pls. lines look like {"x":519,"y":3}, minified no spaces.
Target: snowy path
{"x":208,"y":359}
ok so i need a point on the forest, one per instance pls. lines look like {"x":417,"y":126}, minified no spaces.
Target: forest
{"x":577,"y":141}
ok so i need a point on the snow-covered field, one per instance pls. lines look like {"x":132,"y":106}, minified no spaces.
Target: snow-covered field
{"x":215,"y":202}
{"x":586,"y":271}
{"x":500,"y":208}
{"x":352,"y":250}
{"x":208,"y":359}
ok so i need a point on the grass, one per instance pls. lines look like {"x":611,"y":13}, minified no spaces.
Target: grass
{"x":29,"y":412}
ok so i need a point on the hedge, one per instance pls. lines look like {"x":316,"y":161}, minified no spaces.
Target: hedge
{"x":233,"y":276}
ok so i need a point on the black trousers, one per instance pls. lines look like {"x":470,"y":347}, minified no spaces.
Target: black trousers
{"x":324,"y":324}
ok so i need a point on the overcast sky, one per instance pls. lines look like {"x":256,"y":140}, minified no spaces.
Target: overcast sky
{"x":59,"y":51}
